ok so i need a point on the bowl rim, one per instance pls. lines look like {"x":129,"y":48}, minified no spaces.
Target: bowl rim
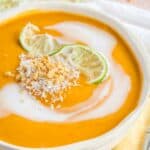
{"x":116,"y":25}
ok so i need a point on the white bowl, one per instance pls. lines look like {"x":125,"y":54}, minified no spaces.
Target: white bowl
{"x":111,"y":138}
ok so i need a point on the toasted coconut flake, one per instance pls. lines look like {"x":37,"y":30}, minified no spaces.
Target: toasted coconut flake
{"x":46,"y":78}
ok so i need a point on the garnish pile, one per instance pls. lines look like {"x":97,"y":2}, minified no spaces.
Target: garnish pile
{"x":49,"y":69}
{"x":45,"y":78}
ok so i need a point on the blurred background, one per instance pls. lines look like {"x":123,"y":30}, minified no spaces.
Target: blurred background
{"x":145,"y":4}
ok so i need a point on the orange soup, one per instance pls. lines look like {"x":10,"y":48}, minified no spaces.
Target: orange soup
{"x":77,"y":113}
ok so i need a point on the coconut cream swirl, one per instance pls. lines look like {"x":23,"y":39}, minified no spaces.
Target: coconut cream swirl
{"x":106,"y":99}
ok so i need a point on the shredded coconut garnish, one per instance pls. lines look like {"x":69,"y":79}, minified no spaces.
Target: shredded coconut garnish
{"x":46,"y":78}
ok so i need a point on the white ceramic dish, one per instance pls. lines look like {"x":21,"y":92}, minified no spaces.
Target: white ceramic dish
{"x":108,"y":140}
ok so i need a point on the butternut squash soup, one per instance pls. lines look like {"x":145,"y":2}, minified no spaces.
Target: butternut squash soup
{"x":64,"y":78}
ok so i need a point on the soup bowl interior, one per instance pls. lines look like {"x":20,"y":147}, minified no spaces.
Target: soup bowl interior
{"x":109,"y":139}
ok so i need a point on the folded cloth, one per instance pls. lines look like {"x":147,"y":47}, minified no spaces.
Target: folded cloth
{"x":135,"y":138}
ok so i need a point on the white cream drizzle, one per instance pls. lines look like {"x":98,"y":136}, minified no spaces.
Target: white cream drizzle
{"x":15,"y":101}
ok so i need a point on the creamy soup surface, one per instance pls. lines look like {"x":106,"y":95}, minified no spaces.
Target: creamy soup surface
{"x":88,"y":110}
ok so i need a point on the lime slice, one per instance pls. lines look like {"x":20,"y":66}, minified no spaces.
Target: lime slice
{"x":38,"y":44}
{"x":91,"y":63}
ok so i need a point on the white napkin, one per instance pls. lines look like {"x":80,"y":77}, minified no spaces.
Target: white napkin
{"x":136,"y":20}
